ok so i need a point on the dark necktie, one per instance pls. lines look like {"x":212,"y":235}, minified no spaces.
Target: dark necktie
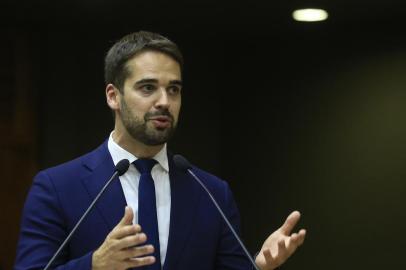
{"x":147,"y":214}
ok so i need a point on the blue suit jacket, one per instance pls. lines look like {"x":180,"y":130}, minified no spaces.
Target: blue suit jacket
{"x":198,"y":237}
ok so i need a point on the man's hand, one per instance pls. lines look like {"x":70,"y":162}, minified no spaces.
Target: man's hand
{"x":280,"y":245}
{"x":120,"y":250}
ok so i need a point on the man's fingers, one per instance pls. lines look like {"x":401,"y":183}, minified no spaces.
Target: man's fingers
{"x":131,"y":241}
{"x":281,"y":248}
{"x":272,"y":259}
{"x":290,"y":222}
{"x":133,"y":252}
{"x":295,"y":240}
{"x":141,"y":261}
{"x":268,"y":257}
{"x":128,"y":217}
{"x":124,"y":231}
{"x":301,"y":236}
{"x":125,"y":227}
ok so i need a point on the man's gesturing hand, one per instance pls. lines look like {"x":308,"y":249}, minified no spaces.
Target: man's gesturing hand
{"x":120,"y":250}
{"x":280,"y":245}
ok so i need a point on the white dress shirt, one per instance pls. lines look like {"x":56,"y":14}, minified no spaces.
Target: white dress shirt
{"x":129,"y":182}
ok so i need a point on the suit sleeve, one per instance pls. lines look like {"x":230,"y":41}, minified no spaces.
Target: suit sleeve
{"x":230,"y":255}
{"x":43,"y":229}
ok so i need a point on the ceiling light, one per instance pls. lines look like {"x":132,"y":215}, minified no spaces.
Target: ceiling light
{"x":310,"y":15}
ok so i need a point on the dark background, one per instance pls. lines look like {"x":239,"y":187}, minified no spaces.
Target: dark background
{"x":307,"y":116}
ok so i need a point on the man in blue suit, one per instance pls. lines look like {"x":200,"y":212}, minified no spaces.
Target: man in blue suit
{"x":143,"y":88}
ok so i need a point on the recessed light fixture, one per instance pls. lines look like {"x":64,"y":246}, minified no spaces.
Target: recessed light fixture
{"x":310,"y":15}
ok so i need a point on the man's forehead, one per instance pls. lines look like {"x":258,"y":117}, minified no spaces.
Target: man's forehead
{"x":153,"y":59}
{"x":153,"y":64}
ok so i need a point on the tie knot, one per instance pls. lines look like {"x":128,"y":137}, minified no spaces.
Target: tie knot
{"x":144,"y":165}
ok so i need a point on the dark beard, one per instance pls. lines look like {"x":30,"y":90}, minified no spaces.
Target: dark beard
{"x":139,"y":130}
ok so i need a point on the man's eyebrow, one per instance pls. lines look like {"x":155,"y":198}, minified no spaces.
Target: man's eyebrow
{"x":143,"y":81}
{"x":178,"y":82}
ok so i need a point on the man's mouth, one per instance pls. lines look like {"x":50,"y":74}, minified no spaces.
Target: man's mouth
{"x":161,"y":121}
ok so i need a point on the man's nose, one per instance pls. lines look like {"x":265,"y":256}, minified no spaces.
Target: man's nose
{"x":162,"y":99}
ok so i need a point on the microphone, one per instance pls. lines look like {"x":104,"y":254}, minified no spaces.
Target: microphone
{"x":185,"y":166}
{"x":120,"y":169}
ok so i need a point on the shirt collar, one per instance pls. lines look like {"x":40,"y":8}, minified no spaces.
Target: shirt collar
{"x":118,"y":153}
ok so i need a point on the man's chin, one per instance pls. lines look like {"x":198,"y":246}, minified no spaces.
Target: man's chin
{"x":158,"y":137}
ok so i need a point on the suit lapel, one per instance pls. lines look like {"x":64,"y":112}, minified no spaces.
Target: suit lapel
{"x":111,"y":204}
{"x":184,"y":198}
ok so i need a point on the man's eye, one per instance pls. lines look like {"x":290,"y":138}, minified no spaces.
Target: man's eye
{"x":148,"y":87}
{"x":174,"y":89}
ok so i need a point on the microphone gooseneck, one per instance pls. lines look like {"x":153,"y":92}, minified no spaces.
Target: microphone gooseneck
{"x":184,"y":165}
{"x":120,"y":169}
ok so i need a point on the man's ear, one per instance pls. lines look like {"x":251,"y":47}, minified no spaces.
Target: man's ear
{"x":113,"y":97}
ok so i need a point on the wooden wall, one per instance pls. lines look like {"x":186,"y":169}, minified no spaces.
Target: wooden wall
{"x":18,"y":136}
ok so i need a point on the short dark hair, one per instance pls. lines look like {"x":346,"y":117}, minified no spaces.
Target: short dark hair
{"x":115,"y":70}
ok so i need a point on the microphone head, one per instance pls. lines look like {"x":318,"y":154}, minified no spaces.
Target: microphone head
{"x":122,"y":166}
{"x":181,"y":162}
